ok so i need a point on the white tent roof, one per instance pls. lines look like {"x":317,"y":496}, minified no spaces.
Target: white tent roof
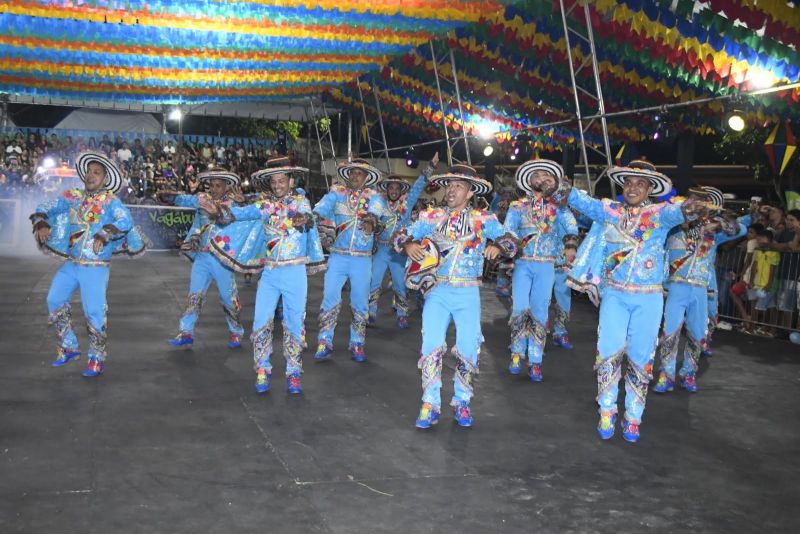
{"x":295,"y":109}
{"x":116,"y":121}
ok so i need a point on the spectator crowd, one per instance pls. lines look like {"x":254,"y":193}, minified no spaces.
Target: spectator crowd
{"x":150,"y":165}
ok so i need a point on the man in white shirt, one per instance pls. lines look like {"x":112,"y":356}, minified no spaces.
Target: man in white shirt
{"x":124,"y":153}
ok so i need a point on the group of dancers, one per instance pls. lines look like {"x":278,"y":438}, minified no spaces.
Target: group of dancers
{"x":635,"y":251}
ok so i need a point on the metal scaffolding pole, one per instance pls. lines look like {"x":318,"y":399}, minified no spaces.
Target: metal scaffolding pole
{"x":383,"y":132}
{"x":460,"y":110}
{"x":449,"y":157}
{"x":316,"y":115}
{"x":594,"y":93}
{"x":364,"y":118}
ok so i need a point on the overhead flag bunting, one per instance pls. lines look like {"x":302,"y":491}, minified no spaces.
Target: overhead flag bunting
{"x":780,"y":147}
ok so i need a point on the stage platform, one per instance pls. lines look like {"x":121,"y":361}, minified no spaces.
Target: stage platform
{"x":176,"y":440}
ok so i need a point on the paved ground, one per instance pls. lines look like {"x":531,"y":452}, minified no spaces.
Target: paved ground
{"x":177,"y":441}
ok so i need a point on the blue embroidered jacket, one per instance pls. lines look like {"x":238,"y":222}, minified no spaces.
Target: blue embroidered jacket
{"x":691,"y":259}
{"x":629,"y":250}
{"x":76,"y":217}
{"x":461,"y":238}
{"x":541,"y":226}
{"x":263,"y":236}
{"x":398,"y":213}
{"x":347,"y":209}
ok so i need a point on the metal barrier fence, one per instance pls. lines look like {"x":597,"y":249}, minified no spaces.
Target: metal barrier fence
{"x":774,"y":307}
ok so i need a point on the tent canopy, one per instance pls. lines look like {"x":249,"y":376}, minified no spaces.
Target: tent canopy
{"x":513,"y":71}
{"x":166,"y":52}
{"x":109,"y":120}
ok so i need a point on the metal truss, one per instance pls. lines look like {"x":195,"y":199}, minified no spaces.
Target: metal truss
{"x":381,"y":145}
{"x":451,"y":141}
{"x":574,"y":34}
{"x":324,"y":139}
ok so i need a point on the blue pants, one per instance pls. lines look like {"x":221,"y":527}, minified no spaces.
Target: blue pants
{"x":92,"y":282}
{"x":205,"y":269}
{"x":291,"y":283}
{"x":689,"y":302}
{"x":563,"y":295}
{"x":443,"y":304}
{"x":628,"y":324}
{"x":531,"y":290}
{"x":342,"y":268}
{"x":385,"y":258}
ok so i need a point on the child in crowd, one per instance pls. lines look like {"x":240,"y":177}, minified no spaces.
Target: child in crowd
{"x":765,"y":267}
{"x":739,"y":289}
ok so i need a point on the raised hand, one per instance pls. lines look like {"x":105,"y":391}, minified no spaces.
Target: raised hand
{"x":42,"y":234}
{"x":491,"y":252}
{"x":414,"y":251}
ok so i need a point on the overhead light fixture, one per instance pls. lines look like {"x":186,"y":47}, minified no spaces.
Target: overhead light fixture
{"x":175,"y":115}
{"x":488,"y":150}
{"x":512,"y":157}
{"x":735,"y":120}
{"x":48,"y":163}
{"x":760,"y":78}
{"x":411,"y":159}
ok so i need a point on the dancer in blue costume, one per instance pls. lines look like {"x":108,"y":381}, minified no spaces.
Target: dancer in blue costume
{"x":499,"y":206}
{"x":562,"y":292}
{"x":205,"y":267}
{"x":462,"y":236}
{"x":277,"y":236}
{"x":625,"y":259}
{"x":400,"y":199}
{"x":536,"y":220}
{"x":85,"y":227}
{"x":356,"y":211}
{"x":691,"y":251}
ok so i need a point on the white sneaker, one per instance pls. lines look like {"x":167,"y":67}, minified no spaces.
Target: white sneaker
{"x":724,"y":325}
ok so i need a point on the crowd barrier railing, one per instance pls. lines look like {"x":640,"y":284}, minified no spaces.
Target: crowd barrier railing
{"x":773,"y":307}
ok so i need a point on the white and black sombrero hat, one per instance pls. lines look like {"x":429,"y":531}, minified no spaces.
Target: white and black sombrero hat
{"x":661,"y":184}
{"x":463,"y":173}
{"x":373,"y":174}
{"x":114,"y":179}
{"x":713,"y":194}
{"x":394,"y":179}
{"x":526,"y":170}
{"x":231,"y":178}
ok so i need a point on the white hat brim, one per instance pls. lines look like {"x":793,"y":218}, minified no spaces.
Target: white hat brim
{"x":232,"y":179}
{"x":661,"y":184}
{"x":526,"y":170}
{"x":714,"y":194}
{"x":404,"y":186}
{"x":114,"y":179}
{"x":263,"y":174}
{"x":479,"y":186}
{"x":373,"y":174}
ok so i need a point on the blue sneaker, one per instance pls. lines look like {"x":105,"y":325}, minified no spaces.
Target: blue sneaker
{"x":94,"y":367}
{"x":663,"y":384}
{"x":535,"y":372}
{"x":428,"y":416}
{"x":181,"y":339}
{"x":371,"y":320}
{"x":402,"y":322}
{"x":515,"y":367}
{"x":562,"y":341}
{"x":606,"y":426}
{"x":262,"y":381}
{"x":630,"y":431}
{"x":64,"y":356}
{"x":293,"y":383}
{"x":323,"y":352}
{"x":235,"y":341}
{"x":707,"y":352}
{"x":357,"y":352}
{"x":462,"y":414}
{"x":689,"y":383}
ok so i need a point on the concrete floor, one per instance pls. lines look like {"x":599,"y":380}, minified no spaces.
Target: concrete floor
{"x":176,"y":440}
